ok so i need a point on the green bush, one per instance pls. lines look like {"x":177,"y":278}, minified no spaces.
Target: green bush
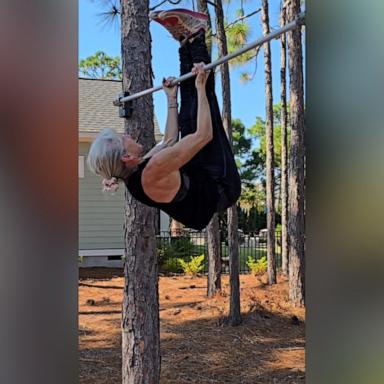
{"x":169,"y":251}
{"x":183,"y":247}
{"x":192,"y":267}
{"x":257,"y":267}
{"x":171,"y":265}
{"x":165,"y":251}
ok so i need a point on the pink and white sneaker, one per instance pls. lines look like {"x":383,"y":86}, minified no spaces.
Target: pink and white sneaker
{"x":181,"y":23}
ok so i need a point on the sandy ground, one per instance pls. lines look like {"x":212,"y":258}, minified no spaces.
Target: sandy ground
{"x":196,"y":347}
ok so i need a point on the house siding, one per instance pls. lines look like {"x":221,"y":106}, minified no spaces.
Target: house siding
{"x":101,"y":217}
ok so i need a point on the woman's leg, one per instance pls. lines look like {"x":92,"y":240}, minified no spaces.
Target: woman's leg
{"x":188,"y":108}
{"x":216,"y":158}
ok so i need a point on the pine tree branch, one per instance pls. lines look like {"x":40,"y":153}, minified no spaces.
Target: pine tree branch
{"x":242,"y":18}
{"x":174,"y":2}
{"x":257,"y":50}
{"x":239,"y":19}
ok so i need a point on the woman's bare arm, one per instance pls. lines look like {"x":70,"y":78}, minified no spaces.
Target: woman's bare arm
{"x":173,"y":158}
{"x":171,"y":133}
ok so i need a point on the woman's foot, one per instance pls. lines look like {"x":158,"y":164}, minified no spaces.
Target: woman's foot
{"x":181,"y":23}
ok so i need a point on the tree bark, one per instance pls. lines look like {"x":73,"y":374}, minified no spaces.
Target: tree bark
{"x":233,"y":241}
{"x":296,"y":199}
{"x":213,"y":234}
{"x":234,"y":281}
{"x":202,"y":6}
{"x":284,"y":146}
{"x":270,"y":150}
{"x":214,"y":259}
{"x":140,"y":319}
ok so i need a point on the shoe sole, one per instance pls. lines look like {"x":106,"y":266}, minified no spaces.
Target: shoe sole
{"x":197,"y":15}
{"x":177,"y":25}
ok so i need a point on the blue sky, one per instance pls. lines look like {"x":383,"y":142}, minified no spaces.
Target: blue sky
{"x":248,"y":99}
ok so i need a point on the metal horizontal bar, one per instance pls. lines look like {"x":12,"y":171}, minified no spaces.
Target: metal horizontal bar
{"x":288,"y":27}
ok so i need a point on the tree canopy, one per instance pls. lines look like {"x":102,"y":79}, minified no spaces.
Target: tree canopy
{"x":101,"y":66}
{"x":258,"y":131}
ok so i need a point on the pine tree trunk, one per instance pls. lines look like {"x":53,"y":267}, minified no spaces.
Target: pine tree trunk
{"x":284,"y":147}
{"x":214,"y":260}
{"x":296,"y":166}
{"x":233,"y":241}
{"x":213,"y":234}
{"x":140,"y":320}
{"x":270,"y":150}
{"x":234,"y":281}
{"x":202,"y":6}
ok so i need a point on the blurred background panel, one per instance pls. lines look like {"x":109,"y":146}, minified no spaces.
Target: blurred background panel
{"x":345,"y":189}
{"x":38,"y":194}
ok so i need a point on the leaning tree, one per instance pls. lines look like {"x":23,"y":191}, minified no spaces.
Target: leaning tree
{"x":233,"y":241}
{"x":284,"y":145}
{"x":213,"y":234}
{"x":270,"y":150}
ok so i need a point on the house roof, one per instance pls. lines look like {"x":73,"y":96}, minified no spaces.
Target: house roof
{"x":96,"y":110}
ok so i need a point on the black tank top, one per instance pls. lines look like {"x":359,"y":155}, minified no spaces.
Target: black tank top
{"x":195,"y":202}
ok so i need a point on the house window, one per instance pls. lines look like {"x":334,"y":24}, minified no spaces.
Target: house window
{"x":81,"y":166}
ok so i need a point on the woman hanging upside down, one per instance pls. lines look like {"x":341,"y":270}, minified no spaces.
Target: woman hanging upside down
{"x":192,"y":178}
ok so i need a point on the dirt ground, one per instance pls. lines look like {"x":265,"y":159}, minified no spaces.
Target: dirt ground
{"x":195,"y":345}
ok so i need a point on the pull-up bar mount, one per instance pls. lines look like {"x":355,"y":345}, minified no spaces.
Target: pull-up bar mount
{"x":123,"y":100}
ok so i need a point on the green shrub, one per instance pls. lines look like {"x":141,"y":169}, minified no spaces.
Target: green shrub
{"x":192,"y":267}
{"x":257,"y":267}
{"x":169,"y":251}
{"x":183,"y":247}
{"x":171,"y":265}
{"x":165,"y":251}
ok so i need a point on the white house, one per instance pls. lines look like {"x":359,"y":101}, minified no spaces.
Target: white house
{"x":101,"y":217}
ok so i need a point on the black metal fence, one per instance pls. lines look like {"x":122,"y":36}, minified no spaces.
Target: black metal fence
{"x":190,"y":244}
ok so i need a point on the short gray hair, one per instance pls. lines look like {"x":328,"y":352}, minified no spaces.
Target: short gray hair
{"x":105,"y":154}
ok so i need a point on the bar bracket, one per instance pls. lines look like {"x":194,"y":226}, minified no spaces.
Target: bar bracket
{"x":125,"y":107}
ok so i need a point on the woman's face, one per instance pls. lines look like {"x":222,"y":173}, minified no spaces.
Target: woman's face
{"x":131,"y":146}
